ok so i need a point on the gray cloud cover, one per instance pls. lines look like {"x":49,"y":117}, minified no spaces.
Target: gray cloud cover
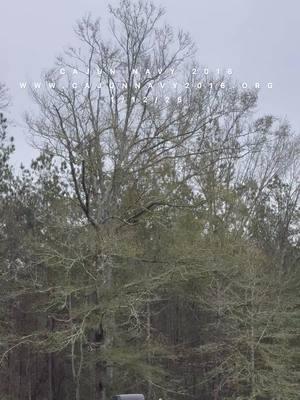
{"x":258,"y":39}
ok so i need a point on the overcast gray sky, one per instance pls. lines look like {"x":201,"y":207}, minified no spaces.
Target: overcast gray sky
{"x":258,"y":39}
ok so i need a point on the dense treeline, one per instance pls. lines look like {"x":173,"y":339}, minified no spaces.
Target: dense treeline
{"x":151,"y":247}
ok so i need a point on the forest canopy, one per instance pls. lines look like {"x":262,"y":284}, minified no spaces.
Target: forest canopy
{"x":152,"y":246}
